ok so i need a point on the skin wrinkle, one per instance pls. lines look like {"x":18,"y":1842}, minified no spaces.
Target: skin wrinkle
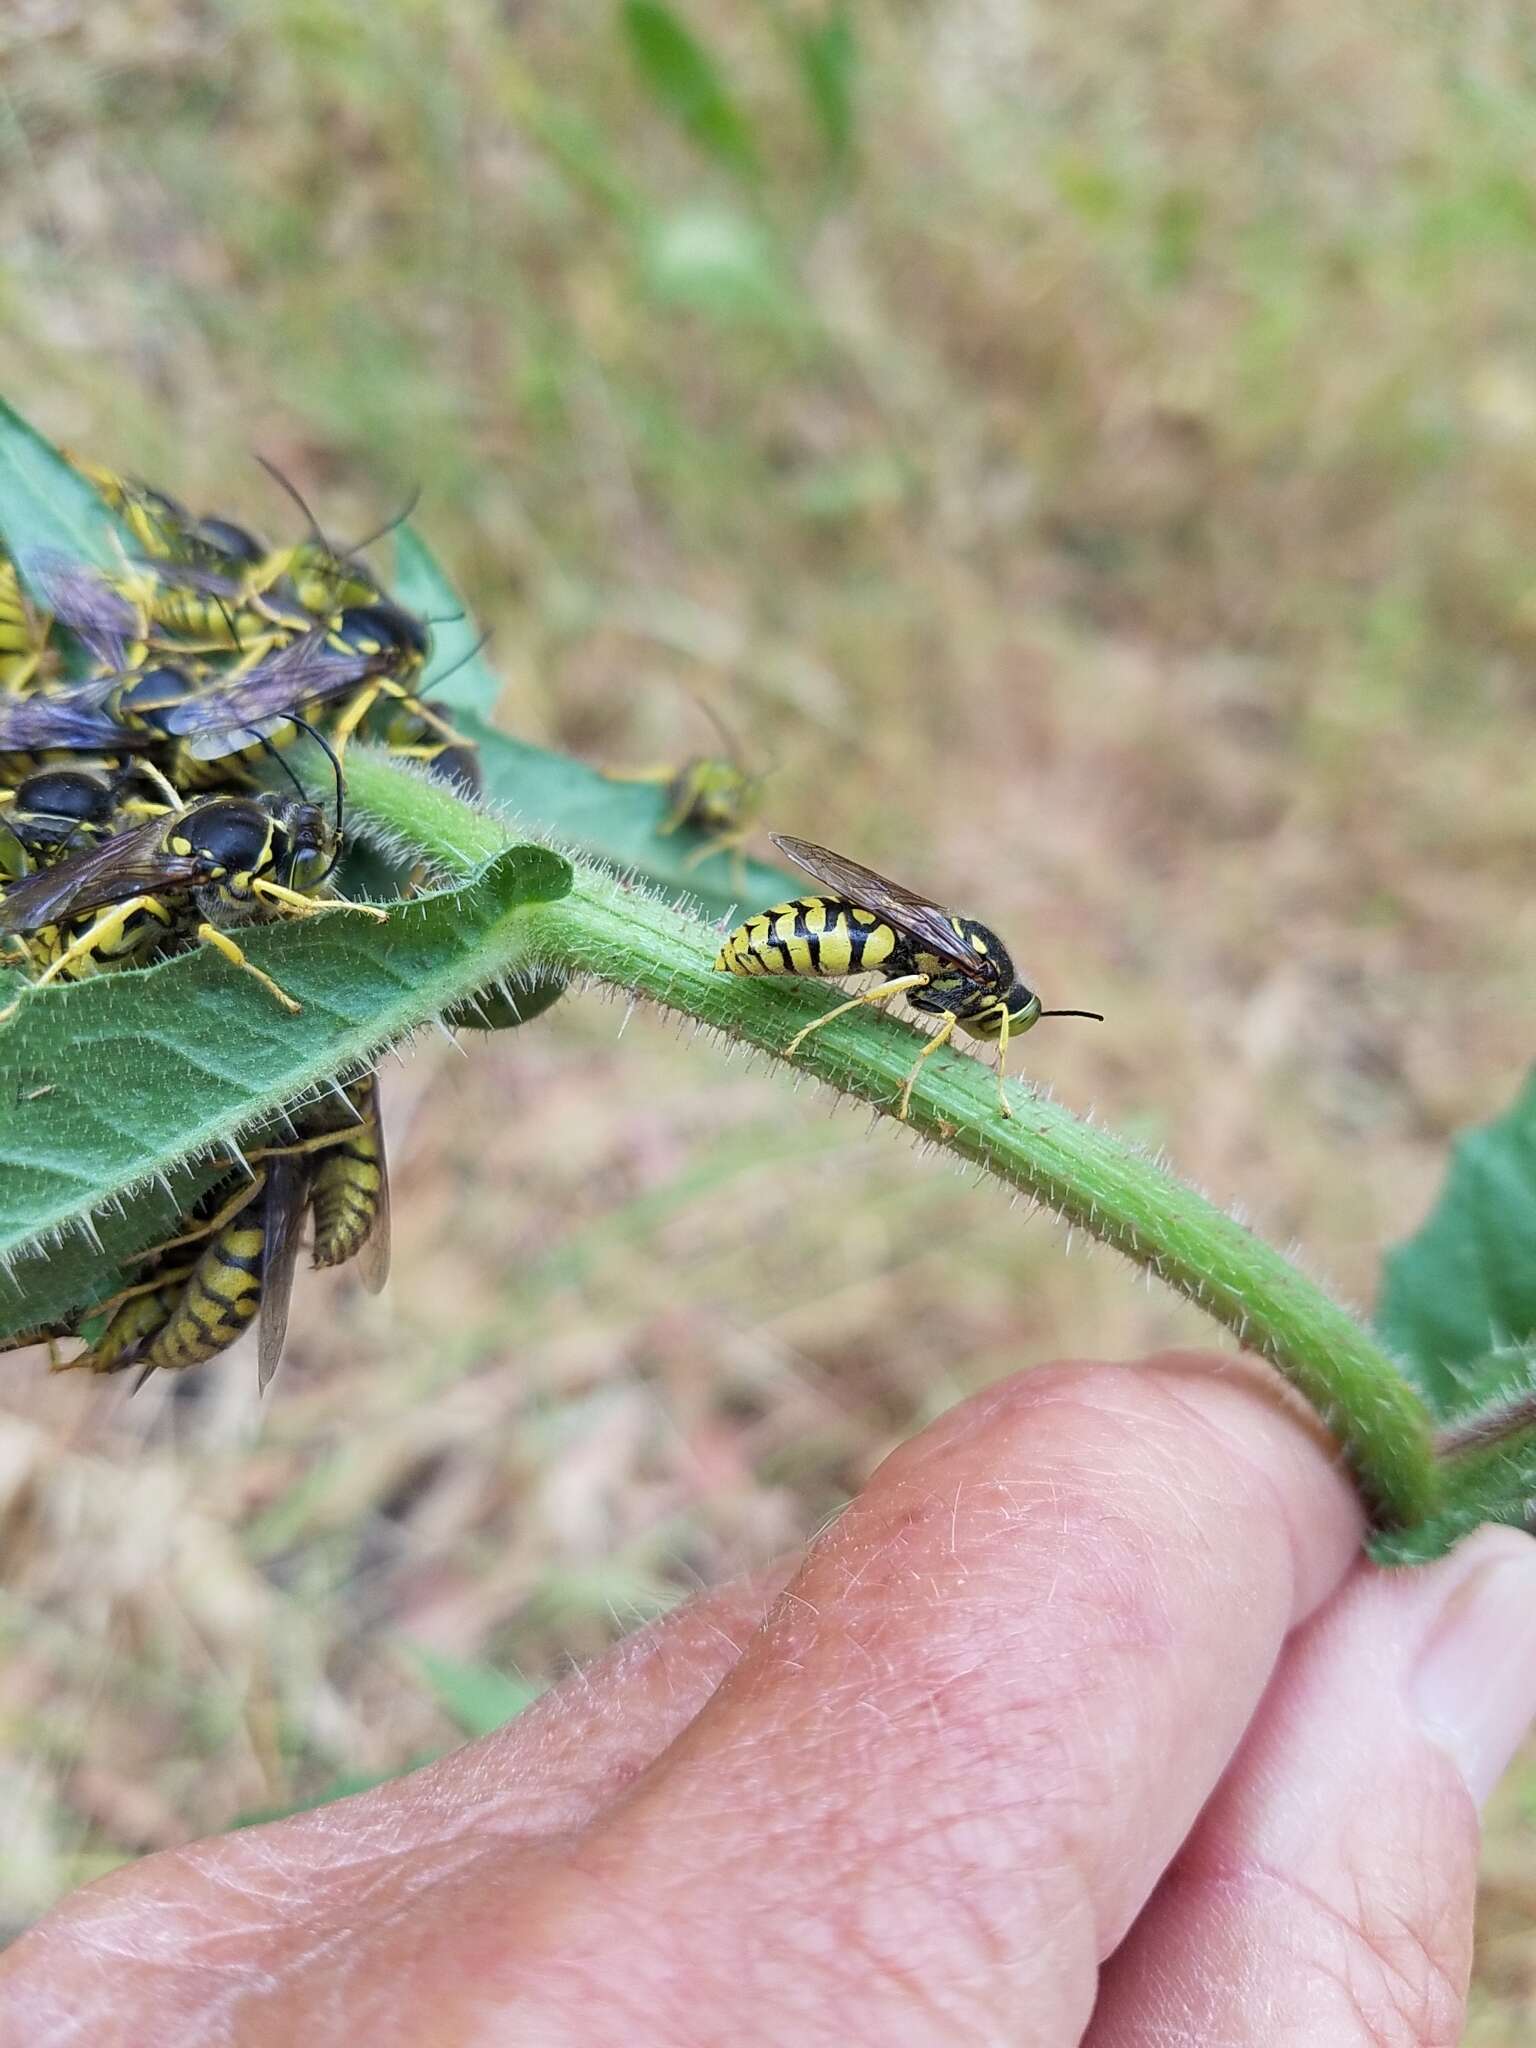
{"x":949,"y":1744}
{"x":933,"y":1690}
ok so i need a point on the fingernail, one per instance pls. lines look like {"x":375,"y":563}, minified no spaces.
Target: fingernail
{"x":1474,"y":1686}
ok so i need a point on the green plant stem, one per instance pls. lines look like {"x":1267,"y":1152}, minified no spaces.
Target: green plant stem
{"x":621,"y":934}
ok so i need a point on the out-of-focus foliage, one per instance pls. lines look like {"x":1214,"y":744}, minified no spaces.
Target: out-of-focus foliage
{"x":1107,"y":500}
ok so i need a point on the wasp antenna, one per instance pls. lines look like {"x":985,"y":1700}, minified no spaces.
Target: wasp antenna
{"x":265,"y":743}
{"x":717,"y":720}
{"x":331,"y":755}
{"x":464,"y":659}
{"x":292,"y":491}
{"x":390,"y":524}
{"x":1096,"y":1015}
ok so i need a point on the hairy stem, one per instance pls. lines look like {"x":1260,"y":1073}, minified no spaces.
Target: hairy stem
{"x":619,"y":933}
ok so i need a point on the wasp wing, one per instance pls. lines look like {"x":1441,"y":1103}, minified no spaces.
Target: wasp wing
{"x":101,"y":618}
{"x":283,"y":1211}
{"x":73,"y":718}
{"x":225,"y":717}
{"x":915,"y":917}
{"x":373,"y":1252}
{"x":128,"y":864}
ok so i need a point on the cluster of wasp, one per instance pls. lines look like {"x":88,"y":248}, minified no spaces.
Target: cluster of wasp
{"x":147,"y":805}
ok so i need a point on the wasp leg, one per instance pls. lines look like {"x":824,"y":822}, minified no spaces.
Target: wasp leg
{"x":350,"y":719}
{"x":873,"y":995}
{"x":221,"y":942}
{"x":723,"y":842}
{"x":940,"y":1037}
{"x":246,"y":1192}
{"x":1002,"y":1064}
{"x":306,"y":906}
{"x":108,"y":927}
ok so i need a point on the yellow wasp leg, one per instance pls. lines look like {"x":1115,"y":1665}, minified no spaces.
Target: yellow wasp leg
{"x":354,"y":715}
{"x":221,"y":942}
{"x":873,"y":995}
{"x":115,"y":1302}
{"x":1002,"y":1063}
{"x":940,"y":1037}
{"x":306,"y":906}
{"x":246,"y":1192}
{"x":110,"y":925}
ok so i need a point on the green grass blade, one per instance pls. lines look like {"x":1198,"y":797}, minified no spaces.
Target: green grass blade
{"x":684,"y":79}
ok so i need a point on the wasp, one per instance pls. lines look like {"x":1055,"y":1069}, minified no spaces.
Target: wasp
{"x":143,"y":891}
{"x":26,"y":656}
{"x":55,"y":811}
{"x":205,"y":1287}
{"x":233,"y":1263}
{"x":950,"y":967}
{"x":709,"y":793}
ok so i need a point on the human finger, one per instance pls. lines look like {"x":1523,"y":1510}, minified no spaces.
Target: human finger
{"x":1326,"y":1894}
{"x":948,"y":1771}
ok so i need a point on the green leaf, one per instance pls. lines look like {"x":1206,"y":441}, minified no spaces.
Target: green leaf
{"x":155,"y":1066}
{"x":1488,"y":1458}
{"x":686,"y":81}
{"x":47,"y":1281}
{"x":477,"y":1697}
{"x":828,"y":60}
{"x":1465,"y":1285}
{"x":615,"y":822}
{"x":48,"y":509}
{"x":458,"y":677}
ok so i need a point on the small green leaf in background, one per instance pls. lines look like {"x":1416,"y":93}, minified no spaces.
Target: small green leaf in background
{"x":828,"y":60}
{"x":615,"y":822}
{"x":49,"y":510}
{"x":458,"y":677}
{"x":686,"y":81}
{"x":144,"y":1069}
{"x":1464,"y":1286}
{"x":477,"y":1697}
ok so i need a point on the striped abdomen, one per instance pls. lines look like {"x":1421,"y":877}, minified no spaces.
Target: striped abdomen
{"x":220,"y":1299}
{"x":132,"y":1322}
{"x":345,"y":1188}
{"x":810,"y":935}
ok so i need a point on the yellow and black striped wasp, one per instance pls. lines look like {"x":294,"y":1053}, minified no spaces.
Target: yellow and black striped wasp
{"x":58,"y":810}
{"x":148,"y":890}
{"x":27,"y":657}
{"x":950,"y":967}
{"x":233,"y":1262}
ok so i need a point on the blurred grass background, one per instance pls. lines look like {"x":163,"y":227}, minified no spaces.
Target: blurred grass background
{"x":1090,"y":452}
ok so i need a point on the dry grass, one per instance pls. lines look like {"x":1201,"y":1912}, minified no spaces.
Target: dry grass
{"x":1113,"y":509}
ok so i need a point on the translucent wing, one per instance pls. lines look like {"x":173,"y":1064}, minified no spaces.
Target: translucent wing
{"x":283,"y":1203}
{"x":104,"y":621}
{"x":373,"y":1252}
{"x":912,"y":915}
{"x":225,"y":717}
{"x":128,"y":864}
{"x":62,"y":718}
